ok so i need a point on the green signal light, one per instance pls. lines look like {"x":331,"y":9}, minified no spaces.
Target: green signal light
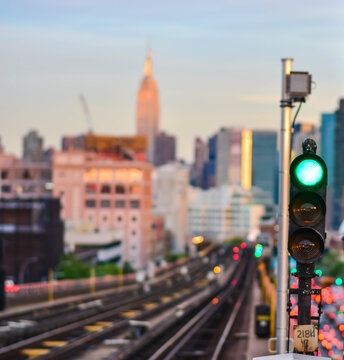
{"x":293,"y":271}
{"x":309,"y":172}
{"x":318,"y":272}
{"x":258,"y":250}
{"x":338,"y":281}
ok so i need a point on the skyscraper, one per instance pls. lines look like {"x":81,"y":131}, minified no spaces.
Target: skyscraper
{"x":33,"y":147}
{"x":201,"y":156}
{"x":209,"y":170}
{"x":328,"y":122}
{"x":148,"y":108}
{"x":264,"y":159}
{"x":228,"y":157}
{"x":327,"y":131}
{"x":164,"y":148}
{"x":338,"y":180}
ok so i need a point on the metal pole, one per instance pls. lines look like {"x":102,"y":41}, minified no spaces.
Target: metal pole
{"x":305,"y":273}
{"x":51,"y":285}
{"x":120,"y":276}
{"x":93,"y":280}
{"x":283,"y":200}
{"x":25,"y":264}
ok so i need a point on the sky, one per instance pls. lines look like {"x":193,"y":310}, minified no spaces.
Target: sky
{"x":217,"y":64}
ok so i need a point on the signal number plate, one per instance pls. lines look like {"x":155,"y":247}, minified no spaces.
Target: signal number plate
{"x":305,"y":338}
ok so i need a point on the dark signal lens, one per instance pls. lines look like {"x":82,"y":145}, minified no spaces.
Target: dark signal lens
{"x":307,"y":208}
{"x":306,"y":245}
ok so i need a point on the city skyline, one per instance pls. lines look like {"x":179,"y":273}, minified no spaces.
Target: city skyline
{"x":209,"y":59}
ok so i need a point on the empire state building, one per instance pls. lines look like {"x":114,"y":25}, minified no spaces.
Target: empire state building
{"x":148,"y":108}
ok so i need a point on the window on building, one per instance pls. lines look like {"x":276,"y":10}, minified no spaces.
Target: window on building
{"x":121,"y":174}
{"x":6,"y":189}
{"x":90,"y":203}
{"x":105,"y":218}
{"x":46,"y":188}
{"x":135,"y":189}
{"x":105,"y":203}
{"x":26,"y":174}
{"x":133,"y":218}
{"x":105,"y":189}
{"x":135,"y":204}
{"x":4,"y":174}
{"x":119,"y":218}
{"x":120,"y":189}
{"x":46,"y":174}
{"x":135,"y":174}
{"x":105,"y":175}
{"x":133,"y":232}
{"x":91,"y":188}
{"x":28,"y":189}
{"x":119,"y":204}
{"x":91,"y":174}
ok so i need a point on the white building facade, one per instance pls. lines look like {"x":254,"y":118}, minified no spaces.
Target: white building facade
{"x":228,"y":157}
{"x":226,"y":211}
{"x":170,"y":200}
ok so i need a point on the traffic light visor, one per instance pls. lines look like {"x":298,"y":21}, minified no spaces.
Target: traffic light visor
{"x":306,"y":245}
{"x":309,"y":172}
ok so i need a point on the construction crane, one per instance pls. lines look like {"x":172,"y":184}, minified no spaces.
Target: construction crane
{"x":86,"y":112}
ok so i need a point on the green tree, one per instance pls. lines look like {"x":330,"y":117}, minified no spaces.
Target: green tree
{"x":174,"y":257}
{"x":127,"y":268}
{"x":107,"y":269}
{"x":331,"y":264}
{"x":70,"y":267}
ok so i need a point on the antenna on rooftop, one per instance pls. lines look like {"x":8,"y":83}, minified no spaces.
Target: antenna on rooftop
{"x":86,"y":112}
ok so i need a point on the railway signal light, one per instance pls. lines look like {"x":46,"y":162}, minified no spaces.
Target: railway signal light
{"x":338,"y":281}
{"x":318,"y":272}
{"x":197,"y":239}
{"x":258,"y":250}
{"x":235,"y":257}
{"x":307,"y":207}
{"x":217,"y":269}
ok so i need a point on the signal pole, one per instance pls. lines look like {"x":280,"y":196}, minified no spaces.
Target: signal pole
{"x":283,"y":201}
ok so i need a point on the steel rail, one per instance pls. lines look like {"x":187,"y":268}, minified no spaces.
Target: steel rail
{"x":232,"y":318}
{"x":191,"y":328}
{"x":46,"y":321}
{"x":83,"y":339}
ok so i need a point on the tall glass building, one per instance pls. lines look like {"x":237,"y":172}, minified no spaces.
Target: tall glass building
{"x":338,"y":173}
{"x":264,"y":160}
{"x":327,"y":131}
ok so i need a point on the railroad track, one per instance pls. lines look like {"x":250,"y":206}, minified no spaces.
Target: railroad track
{"x":205,"y":333}
{"x":95,"y":326}
{"x":33,"y":322}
